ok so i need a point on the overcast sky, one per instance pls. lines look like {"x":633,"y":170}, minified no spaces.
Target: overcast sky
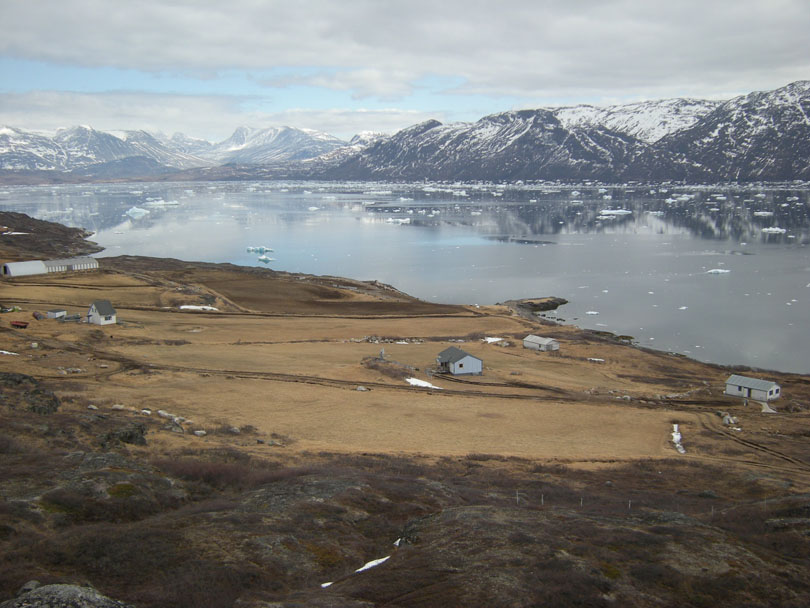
{"x":204,"y":67}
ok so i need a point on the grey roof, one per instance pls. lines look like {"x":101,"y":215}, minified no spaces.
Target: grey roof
{"x":104,"y":308}
{"x":453,"y":355}
{"x":538,"y":339}
{"x":754,"y":383}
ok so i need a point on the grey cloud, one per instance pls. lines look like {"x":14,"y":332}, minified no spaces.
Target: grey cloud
{"x":525,"y":48}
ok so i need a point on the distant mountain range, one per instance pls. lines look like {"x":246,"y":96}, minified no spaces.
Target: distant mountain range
{"x":760,"y":136}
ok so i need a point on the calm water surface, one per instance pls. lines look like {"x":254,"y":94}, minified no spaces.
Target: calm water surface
{"x":722,"y":275}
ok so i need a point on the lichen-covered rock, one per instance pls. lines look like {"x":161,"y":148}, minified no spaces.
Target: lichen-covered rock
{"x":134,"y":433}
{"x":62,"y":596}
{"x":41,"y":401}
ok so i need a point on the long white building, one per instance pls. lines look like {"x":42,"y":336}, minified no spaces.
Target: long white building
{"x":34,"y":267}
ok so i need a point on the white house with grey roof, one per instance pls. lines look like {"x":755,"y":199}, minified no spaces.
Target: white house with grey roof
{"x":455,"y":361}
{"x":101,"y":312}
{"x":539,"y":343}
{"x":752,"y":388}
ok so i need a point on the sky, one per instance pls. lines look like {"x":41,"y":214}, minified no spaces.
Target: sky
{"x":204,"y":67}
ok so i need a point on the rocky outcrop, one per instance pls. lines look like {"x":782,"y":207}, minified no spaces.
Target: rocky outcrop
{"x":33,"y":595}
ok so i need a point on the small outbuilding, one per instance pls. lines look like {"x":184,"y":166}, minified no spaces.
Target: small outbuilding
{"x":752,"y":388}
{"x":101,"y":312}
{"x":33,"y":267}
{"x":537,"y":343}
{"x":57,"y":313}
{"x":455,"y":361}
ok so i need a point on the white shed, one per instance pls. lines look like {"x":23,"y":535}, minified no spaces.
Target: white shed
{"x":457,"y":362}
{"x":101,"y":312}
{"x":57,"y":313}
{"x":752,"y":388}
{"x":537,"y":343}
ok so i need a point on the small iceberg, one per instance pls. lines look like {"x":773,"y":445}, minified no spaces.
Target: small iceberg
{"x":136,"y":213}
{"x":260,"y":249}
{"x":266,"y":259}
{"x":763,"y":213}
{"x":774,"y":230}
{"x":591,"y":312}
{"x":616,"y":212}
{"x":718,"y":271}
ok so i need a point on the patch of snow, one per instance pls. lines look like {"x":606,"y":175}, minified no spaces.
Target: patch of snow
{"x":421,"y":383}
{"x":194,"y":307}
{"x":491,"y":340}
{"x":676,"y":439}
{"x":6,"y":352}
{"x":373,"y":563}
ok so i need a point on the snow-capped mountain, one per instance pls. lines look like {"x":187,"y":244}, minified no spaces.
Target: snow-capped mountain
{"x":27,"y":151}
{"x":760,"y":136}
{"x":275,"y":144}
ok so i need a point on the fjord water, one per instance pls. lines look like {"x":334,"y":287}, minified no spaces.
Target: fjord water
{"x":719,"y":274}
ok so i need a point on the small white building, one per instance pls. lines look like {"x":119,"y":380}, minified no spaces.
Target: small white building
{"x":537,"y":343}
{"x":455,"y":361}
{"x":57,"y":313}
{"x":33,"y":267}
{"x":101,"y":312}
{"x":752,"y":388}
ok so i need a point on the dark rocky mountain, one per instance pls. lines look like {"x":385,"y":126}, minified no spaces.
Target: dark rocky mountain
{"x":761,"y":136}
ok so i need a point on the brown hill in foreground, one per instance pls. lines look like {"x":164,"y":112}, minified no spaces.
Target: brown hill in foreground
{"x":189,"y":456}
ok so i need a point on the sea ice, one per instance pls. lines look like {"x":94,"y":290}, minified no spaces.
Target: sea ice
{"x":774,"y":230}
{"x":591,"y":312}
{"x":718,"y":271}
{"x":136,"y":213}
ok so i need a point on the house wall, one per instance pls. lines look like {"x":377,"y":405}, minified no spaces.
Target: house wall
{"x":750,"y":393}
{"x":467,"y":365}
{"x":97,"y":319}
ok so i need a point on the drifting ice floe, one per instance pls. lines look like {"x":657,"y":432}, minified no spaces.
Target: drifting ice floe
{"x":265,"y":259}
{"x":136,"y":213}
{"x":591,"y":312}
{"x":718,"y":271}
{"x":774,"y":230}
{"x":616,"y":212}
{"x":260,"y":249}
{"x":763,"y":213}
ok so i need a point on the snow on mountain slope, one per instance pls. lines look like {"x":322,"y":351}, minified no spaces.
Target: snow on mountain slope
{"x":648,"y":121}
{"x":249,"y":145}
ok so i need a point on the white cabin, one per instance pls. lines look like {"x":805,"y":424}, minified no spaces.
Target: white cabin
{"x":752,"y":388}
{"x":101,"y":312}
{"x":457,"y":362}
